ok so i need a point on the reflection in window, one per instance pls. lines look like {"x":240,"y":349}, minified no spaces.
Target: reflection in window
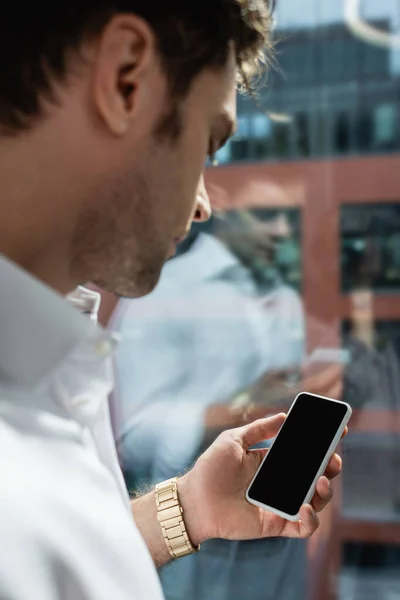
{"x":282,"y":140}
{"x":262,"y":149}
{"x":385,"y":125}
{"x":223,"y":156}
{"x":342,"y":133}
{"x":364,"y":130}
{"x":329,"y":59}
{"x":375,"y":60}
{"x":372,"y":555}
{"x":385,"y":333}
{"x":289,"y":64}
{"x":343,"y":90}
{"x":372,"y":493}
{"x":261,"y":126}
{"x":285,"y":232}
{"x":244,"y":126}
{"x":302,"y":134}
{"x":240,"y":149}
{"x":321,"y":139}
{"x":370,"y":247}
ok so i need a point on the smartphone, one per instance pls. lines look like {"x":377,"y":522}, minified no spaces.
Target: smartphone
{"x":324,"y":358}
{"x":340,"y":356}
{"x":312,"y":431}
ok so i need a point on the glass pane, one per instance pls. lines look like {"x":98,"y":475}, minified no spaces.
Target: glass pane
{"x":303,"y":254}
{"x":302,"y":133}
{"x":370,"y":243}
{"x":240,"y":149}
{"x":342,"y":133}
{"x":261,"y":126}
{"x":386,"y":125}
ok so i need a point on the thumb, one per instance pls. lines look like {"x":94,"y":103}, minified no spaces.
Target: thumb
{"x":261,"y":430}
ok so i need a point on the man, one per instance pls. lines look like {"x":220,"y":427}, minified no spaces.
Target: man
{"x":107,"y":112}
{"x":205,"y":334}
{"x":190,"y":353}
{"x":200,"y":339}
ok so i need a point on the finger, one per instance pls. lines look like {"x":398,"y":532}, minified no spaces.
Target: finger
{"x":323,"y":494}
{"x":309,"y":521}
{"x":336,"y":391}
{"x":334,"y":467}
{"x":345,"y":432}
{"x":327,"y":383}
{"x":304,"y":528}
{"x":261,"y":430}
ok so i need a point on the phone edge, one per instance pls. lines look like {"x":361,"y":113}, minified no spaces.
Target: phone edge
{"x":324,"y":464}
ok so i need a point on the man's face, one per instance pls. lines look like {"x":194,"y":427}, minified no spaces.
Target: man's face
{"x":151,"y":185}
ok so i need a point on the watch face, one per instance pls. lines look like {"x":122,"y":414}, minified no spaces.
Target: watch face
{"x":86,"y":301}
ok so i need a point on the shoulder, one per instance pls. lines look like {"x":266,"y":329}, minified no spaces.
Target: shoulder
{"x":286,"y":298}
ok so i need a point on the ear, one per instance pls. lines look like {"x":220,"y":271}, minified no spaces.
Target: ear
{"x":125,"y":56}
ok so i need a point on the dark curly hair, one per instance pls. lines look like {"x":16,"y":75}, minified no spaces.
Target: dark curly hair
{"x":36,"y":36}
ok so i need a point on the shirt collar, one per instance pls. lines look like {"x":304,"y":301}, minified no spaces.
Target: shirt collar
{"x":39,"y":328}
{"x":207,"y":258}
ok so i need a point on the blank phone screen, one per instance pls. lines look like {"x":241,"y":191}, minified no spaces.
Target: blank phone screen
{"x":295,"y":458}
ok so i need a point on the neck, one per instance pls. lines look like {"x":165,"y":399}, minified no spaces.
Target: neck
{"x":35,"y":217}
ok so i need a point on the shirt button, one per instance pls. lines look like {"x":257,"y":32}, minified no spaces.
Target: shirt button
{"x":103,"y":348}
{"x":81,"y":401}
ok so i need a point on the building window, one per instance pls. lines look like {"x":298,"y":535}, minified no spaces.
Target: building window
{"x":244,"y":125}
{"x":262,"y":149}
{"x":342,"y":133}
{"x":261,"y":126}
{"x":302,"y":134}
{"x":385,"y":125}
{"x":322,"y":141}
{"x":370,"y":247}
{"x":224,"y":155}
{"x":364,"y":130}
{"x":284,"y":227}
{"x":240,"y":149}
{"x":385,"y":333}
{"x":375,"y":60}
{"x":281,"y":140}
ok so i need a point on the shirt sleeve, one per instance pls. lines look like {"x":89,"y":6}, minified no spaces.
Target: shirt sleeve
{"x":285,"y":316}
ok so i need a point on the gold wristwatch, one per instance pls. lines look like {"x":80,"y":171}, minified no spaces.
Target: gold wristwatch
{"x":170,"y":516}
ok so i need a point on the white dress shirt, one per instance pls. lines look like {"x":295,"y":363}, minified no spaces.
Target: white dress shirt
{"x":66,"y":526}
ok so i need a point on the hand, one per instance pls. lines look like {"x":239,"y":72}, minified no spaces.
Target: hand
{"x":276,"y":389}
{"x":213,"y":494}
{"x":227,"y":416}
{"x":327,"y":382}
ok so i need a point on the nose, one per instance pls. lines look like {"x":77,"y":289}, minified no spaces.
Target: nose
{"x":202,"y":209}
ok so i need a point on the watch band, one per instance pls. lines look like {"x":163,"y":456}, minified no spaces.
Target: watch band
{"x":170,"y":517}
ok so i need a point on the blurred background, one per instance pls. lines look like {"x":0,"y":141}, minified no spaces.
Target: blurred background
{"x":303,"y":254}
